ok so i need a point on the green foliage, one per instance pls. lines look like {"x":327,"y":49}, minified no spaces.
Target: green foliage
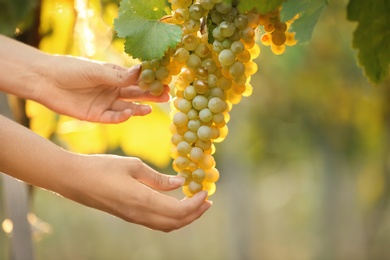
{"x":309,"y":12}
{"x":13,"y":13}
{"x":146,"y":36}
{"x":261,"y":6}
{"x":372,"y":36}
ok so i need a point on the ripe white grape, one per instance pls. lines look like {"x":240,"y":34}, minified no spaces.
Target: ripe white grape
{"x":176,"y":138}
{"x":212,"y":175}
{"x":156,"y":88}
{"x":204,"y":145}
{"x":148,"y":75}
{"x":190,"y":137}
{"x":161,"y":73}
{"x":190,"y":41}
{"x":187,"y":175}
{"x":192,"y":114}
{"x":227,"y":57}
{"x":191,"y":25}
{"x":227,"y":29}
{"x":217,"y":92}
{"x":198,"y":175}
{"x":237,"y":47}
{"x":195,"y":187}
{"x":181,"y":55}
{"x":223,"y":7}
{"x":205,"y":115}
{"x":181,"y":14}
{"x":241,"y":21}
{"x":180,"y":119}
{"x":184,"y":105}
{"x":204,"y":133}
{"x":207,"y":4}
{"x":206,"y":162}
{"x":199,"y":102}
{"x":183,"y":148}
{"x":193,"y":61}
{"x":202,"y":50}
{"x":196,"y":154}
{"x":237,"y":69}
{"x":182,"y":162}
{"x":190,"y":92}
{"x":196,"y":11}
{"x":193,"y":125}
{"x":217,"y":105}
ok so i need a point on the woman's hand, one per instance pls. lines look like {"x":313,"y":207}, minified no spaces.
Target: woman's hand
{"x":122,"y":186}
{"x":92,"y":91}
{"x":128,"y":188}
{"x":81,"y":88}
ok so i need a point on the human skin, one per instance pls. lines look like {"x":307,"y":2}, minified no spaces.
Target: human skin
{"x":97,"y":92}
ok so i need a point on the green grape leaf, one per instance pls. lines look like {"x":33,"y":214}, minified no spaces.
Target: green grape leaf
{"x":13,"y":13}
{"x":309,"y":12}
{"x":261,"y":6}
{"x":146,"y":36}
{"x":371,"y":37}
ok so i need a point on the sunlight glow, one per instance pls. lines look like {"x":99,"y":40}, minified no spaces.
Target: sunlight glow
{"x":7,"y":226}
{"x":83,"y":29}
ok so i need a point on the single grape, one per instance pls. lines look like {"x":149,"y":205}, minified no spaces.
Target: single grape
{"x":187,"y":175}
{"x":198,"y":175}
{"x":205,"y":115}
{"x":217,"y":105}
{"x":180,"y":119}
{"x":148,"y":75}
{"x":227,"y":57}
{"x":204,"y":133}
{"x":183,"y":148}
{"x":194,"y":187}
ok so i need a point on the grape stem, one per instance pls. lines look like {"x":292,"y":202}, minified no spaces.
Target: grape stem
{"x":165,"y":18}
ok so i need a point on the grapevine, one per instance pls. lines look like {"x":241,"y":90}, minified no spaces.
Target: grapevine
{"x":210,"y":70}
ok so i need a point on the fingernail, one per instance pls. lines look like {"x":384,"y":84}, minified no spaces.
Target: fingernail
{"x":176,"y":180}
{"x":146,"y":109}
{"x":135,"y":67}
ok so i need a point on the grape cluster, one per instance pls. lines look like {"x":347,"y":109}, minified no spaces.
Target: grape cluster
{"x":213,"y":63}
{"x":276,"y":32}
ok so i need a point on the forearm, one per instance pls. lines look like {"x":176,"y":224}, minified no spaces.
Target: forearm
{"x":27,"y":156}
{"x":31,"y":158}
{"x":21,"y":67}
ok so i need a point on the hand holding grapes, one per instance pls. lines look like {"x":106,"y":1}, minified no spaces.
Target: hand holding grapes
{"x":84,"y":89}
{"x":96,"y":92}
{"x":122,"y":186}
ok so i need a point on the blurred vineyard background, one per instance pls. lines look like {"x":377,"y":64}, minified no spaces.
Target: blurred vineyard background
{"x":305,"y":169}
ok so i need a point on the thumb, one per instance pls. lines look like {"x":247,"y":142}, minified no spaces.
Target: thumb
{"x":158,"y":180}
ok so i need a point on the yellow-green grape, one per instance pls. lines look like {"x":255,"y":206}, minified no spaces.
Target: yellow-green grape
{"x":194,"y":187}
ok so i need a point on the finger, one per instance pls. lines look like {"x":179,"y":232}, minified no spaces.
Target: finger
{"x":162,"y":212}
{"x":115,"y":66}
{"x":183,"y":214}
{"x":114,"y":117}
{"x":112,"y":75}
{"x":156,"y":180}
{"x":138,"y":109}
{"x":134,"y":93}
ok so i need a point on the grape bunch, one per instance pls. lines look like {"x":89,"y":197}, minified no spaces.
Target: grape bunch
{"x":213,"y":64}
{"x":276,"y":32}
